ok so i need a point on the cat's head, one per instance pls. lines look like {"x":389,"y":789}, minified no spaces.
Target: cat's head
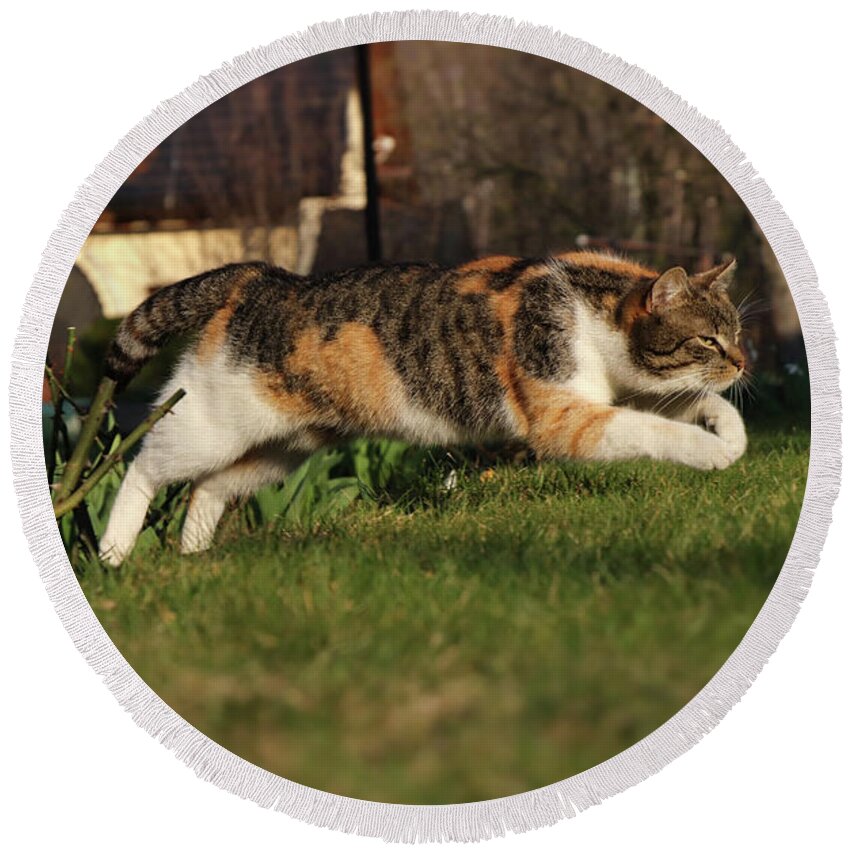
{"x":684,"y":330}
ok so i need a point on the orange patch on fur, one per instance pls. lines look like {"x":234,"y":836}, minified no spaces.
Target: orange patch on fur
{"x":215,"y":332}
{"x":562,"y":424}
{"x":496,"y":263}
{"x":297,"y":406}
{"x":610,"y":301}
{"x":519,"y":390}
{"x":473,"y":284}
{"x":607,"y":263}
{"x":587,"y":433}
{"x":351,"y":369}
{"x":513,"y":392}
{"x":505,"y":304}
{"x":270,"y":387}
{"x":634,"y":306}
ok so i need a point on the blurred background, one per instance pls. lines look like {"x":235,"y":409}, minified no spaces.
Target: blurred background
{"x":421,"y":150}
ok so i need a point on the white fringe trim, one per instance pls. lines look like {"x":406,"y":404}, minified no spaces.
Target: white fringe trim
{"x":470,"y":821}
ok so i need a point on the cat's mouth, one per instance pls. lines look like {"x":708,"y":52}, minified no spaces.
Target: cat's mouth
{"x":720,"y":385}
{"x":713,"y":380}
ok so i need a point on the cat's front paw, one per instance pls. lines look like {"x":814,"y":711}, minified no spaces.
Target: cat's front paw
{"x":724,"y":421}
{"x":703,"y":450}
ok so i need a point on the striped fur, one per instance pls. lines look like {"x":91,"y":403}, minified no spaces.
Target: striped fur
{"x":184,"y":307}
{"x":555,"y":351}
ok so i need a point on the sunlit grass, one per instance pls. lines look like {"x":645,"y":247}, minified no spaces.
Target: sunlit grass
{"x":425,"y":646}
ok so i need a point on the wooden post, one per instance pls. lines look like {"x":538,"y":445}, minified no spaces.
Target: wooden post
{"x":364,"y":88}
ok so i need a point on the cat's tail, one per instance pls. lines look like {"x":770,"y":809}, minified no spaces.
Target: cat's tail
{"x":181,"y":308}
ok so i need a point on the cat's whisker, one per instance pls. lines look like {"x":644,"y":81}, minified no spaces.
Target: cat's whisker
{"x":748,"y":304}
{"x":748,"y":386}
{"x":736,"y":396}
{"x":754,"y":310}
{"x":666,"y":401}
{"x":745,"y":299}
{"x":624,"y":398}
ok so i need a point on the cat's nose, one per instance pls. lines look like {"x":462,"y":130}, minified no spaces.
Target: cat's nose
{"x":736,"y":357}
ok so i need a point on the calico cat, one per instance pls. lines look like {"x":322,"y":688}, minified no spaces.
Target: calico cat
{"x":570,"y":353}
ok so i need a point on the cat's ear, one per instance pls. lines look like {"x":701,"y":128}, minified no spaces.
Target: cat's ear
{"x":668,"y":291}
{"x":717,"y":278}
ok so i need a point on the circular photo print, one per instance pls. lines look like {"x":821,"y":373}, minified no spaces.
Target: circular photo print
{"x":426,"y":422}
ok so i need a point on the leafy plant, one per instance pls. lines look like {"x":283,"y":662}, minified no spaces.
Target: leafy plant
{"x":310,"y":494}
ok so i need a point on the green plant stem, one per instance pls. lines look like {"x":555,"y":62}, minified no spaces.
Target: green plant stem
{"x":69,"y":357}
{"x":62,"y":506}
{"x":56,"y":396}
{"x":59,"y":393}
{"x":63,"y":391}
{"x":91,"y":425}
{"x":86,"y":534}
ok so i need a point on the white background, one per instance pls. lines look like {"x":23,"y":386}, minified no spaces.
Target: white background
{"x":77,"y":76}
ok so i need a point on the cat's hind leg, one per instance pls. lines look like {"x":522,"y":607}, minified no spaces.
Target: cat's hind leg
{"x":128,"y":513}
{"x":186,"y":445}
{"x":203,"y":439}
{"x":212,"y":492}
{"x":171,"y":452}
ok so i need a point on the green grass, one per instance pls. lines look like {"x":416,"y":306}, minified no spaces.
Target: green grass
{"x":451,"y":647}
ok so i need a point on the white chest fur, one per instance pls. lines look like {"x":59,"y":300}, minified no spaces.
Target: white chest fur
{"x":603,"y":369}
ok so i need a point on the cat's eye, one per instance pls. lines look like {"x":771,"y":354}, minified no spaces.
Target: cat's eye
{"x":710,"y":342}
